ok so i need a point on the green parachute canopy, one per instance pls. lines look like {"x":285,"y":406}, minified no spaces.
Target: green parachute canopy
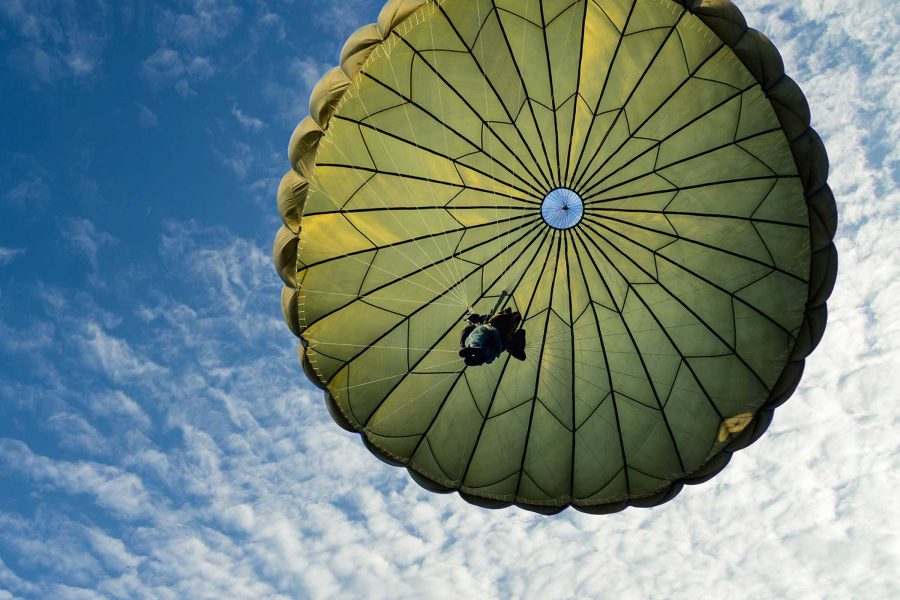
{"x":638,"y":178}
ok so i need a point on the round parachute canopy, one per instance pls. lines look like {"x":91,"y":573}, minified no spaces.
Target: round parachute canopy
{"x":637,"y":178}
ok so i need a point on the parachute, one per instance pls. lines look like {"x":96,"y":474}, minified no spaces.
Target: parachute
{"x":637,"y":178}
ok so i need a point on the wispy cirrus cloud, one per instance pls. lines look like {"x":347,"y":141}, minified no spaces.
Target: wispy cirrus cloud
{"x":146,"y":117}
{"x":113,"y":489}
{"x":28,"y":184}
{"x":246,"y":121}
{"x":188,"y":37}
{"x":200,"y":23}
{"x":8,"y":255}
{"x":56,"y":40}
{"x":171,"y":67}
{"x":113,"y":356}
{"x":290,"y":91}
{"x":82,"y":236}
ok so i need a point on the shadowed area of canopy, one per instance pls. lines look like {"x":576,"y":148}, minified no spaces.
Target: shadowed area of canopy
{"x":636,"y":177}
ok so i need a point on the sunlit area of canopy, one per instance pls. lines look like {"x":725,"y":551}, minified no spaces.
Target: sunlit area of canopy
{"x":670,"y":305}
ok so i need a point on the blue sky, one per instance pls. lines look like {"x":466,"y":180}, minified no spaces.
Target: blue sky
{"x":157,"y":439}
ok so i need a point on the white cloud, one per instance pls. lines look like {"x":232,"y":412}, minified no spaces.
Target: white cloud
{"x":271,"y":22}
{"x":234,"y":273}
{"x":76,"y":434}
{"x":112,"y":551}
{"x":8,"y":255}
{"x":172,"y":67}
{"x":199,"y":68}
{"x":32,"y":338}
{"x":246,"y":121}
{"x":186,"y":40}
{"x":146,"y":117}
{"x":340,"y":19}
{"x":307,"y":72}
{"x":82,"y":235}
{"x":118,"y":404}
{"x":13,"y":583}
{"x":290,"y":92}
{"x":239,"y":160}
{"x":56,"y":40}
{"x":163,"y":65}
{"x":114,"y":356}
{"x":30,"y":191}
{"x":166,"y":67}
{"x":184,"y":89}
{"x":113,"y":489}
{"x":202,"y":25}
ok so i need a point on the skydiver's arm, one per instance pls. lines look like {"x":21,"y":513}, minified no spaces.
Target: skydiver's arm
{"x":465,"y":334}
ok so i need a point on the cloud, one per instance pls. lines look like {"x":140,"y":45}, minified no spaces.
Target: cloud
{"x":56,"y":40}
{"x":112,"y":551}
{"x":186,"y":40}
{"x":146,"y":117}
{"x":246,"y":121}
{"x":83,"y":236}
{"x":76,"y":434}
{"x":170,"y":67}
{"x":239,"y":159}
{"x":8,"y":255}
{"x":113,"y":489}
{"x":163,"y":66}
{"x":340,"y":19}
{"x":118,"y":404}
{"x":114,"y":356}
{"x":234,"y":274}
{"x":270,"y":23}
{"x":205,"y":23}
{"x":31,"y":191}
{"x":199,"y":68}
{"x":10,"y":581}
{"x":290,"y":92}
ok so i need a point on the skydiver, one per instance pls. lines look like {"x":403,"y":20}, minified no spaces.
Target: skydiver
{"x":482,"y":342}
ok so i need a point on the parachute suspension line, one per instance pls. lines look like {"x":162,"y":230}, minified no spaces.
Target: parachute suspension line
{"x":499,"y":306}
{"x":497,"y":386}
{"x":437,"y":293}
{"x":402,"y":300}
{"x":503,"y":249}
{"x":447,"y":285}
{"x":457,"y":269}
{"x":359,"y":385}
{"x":398,"y":277}
{"x":535,"y":235}
{"x":450,"y":285}
{"x":316,"y":343}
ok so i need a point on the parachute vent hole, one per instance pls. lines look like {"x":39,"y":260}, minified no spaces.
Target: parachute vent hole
{"x":562,"y":209}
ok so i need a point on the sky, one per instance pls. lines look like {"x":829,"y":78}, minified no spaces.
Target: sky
{"x":158,"y":439}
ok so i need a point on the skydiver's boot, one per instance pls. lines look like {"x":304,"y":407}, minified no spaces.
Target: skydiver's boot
{"x":516,"y":346}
